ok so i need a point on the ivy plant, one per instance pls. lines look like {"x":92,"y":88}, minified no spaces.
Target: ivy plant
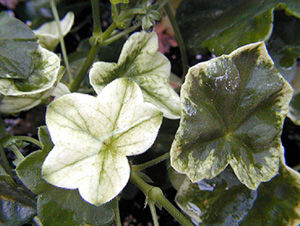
{"x":111,"y":113}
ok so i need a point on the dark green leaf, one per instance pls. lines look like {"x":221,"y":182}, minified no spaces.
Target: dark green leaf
{"x":225,"y":201}
{"x":233,"y":109}
{"x":17,"y":44}
{"x":284,"y":43}
{"x":224,"y":25}
{"x":58,"y":206}
{"x":45,"y":139}
{"x":17,"y":207}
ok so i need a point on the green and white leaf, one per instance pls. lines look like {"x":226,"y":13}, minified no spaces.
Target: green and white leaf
{"x":141,"y":62}
{"x":18,"y":47}
{"x":225,"y":201}
{"x":60,"y":90}
{"x":58,"y":206}
{"x":233,"y":109}
{"x":23,"y":94}
{"x":48,"y":34}
{"x":93,"y":136}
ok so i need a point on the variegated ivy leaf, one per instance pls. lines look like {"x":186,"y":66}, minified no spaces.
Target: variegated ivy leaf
{"x":225,"y":201}
{"x":23,"y":94}
{"x":233,"y":108}
{"x":93,"y":136}
{"x":141,"y":62}
{"x":48,"y":34}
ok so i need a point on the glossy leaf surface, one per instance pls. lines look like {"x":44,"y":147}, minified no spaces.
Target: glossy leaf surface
{"x":222,"y":26}
{"x":141,"y":62}
{"x":58,"y":206}
{"x":18,"y":45}
{"x":225,"y":201}
{"x":48,"y":34}
{"x":23,"y":94}
{"x":93,"y":136}
{"x":233,"y":108}
{"x":17,"y":207}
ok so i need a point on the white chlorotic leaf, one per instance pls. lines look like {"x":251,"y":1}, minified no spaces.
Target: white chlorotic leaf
{"x":23,"y":94}
{"x":93,"y":136}
{"x":141,"y":62}
{"x":48,"y":34}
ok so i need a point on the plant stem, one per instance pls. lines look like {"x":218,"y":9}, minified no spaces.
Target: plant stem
{"x":155,"y":194}
{"x":179,"y":38}
{"x":117,"y":213}
{"x":153,"y":213}
{"x":87,"y":63}
{"x":120,"y":35}
{"x":29,"y":139}
{"x":90,"y":58}
{"x":96,"y":18}
{"x":152,"y":162}
{"x":61,"y":38}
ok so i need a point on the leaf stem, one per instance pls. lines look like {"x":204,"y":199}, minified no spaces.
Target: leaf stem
{"x":297,"y":167}
{"x":117,"y":213}
{"x":179,"y":38}
{"x":37,"y":221}
{"x":96,"y":18}
{"x":16,"y":151}
{"x":90,"y":58}
{"x":153,"y":162}
{"x":61,"y":38}
{"x":29,"y":139}
{"x":5,"y":162}
{"x":153,"y":213}
{"x":156,"y":195}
